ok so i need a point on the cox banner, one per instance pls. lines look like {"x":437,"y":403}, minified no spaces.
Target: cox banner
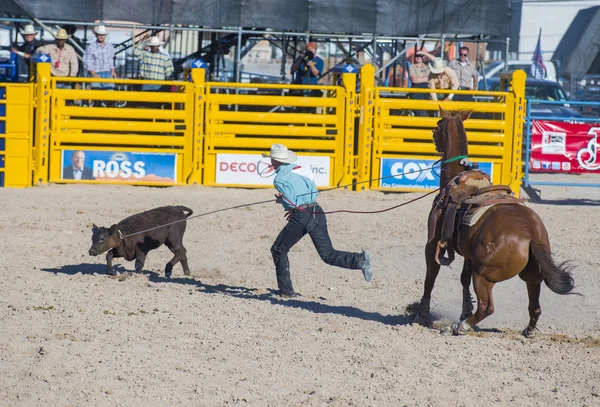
{"x":415,"y":173}
{"x":118,"y":166}
{"x":253,"y":169}
{"x":564,"y":147}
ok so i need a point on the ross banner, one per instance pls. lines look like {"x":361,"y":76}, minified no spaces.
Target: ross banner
{"x":118,"y":166}
{"x":253,"y":169}
{"x":564,"y":147}
{"x":415,"y":173}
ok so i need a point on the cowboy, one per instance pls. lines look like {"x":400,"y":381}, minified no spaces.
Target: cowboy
{"x":154,"y":64}
{"x":27,"y":49}
{"x":441,"y":77}
{"x":63,"y":59}
{"x":99,"y":58}
{"x":297,"y":194}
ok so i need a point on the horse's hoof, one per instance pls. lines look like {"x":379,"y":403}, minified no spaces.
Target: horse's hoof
{"x":420,"y":320}
{"x":111,"y":272}
{"x":528,"y":334}
{"x":460,"y":329}
{"x":168,"y":274}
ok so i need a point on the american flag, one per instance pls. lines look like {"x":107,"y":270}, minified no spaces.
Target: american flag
{"x":538,"y":68}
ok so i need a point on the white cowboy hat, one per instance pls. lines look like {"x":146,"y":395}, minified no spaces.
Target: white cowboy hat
{"x":155,"y":42}
{"x":280,"y":153}
{"x":437,"y":66}
{"x":29,"y":30}
{"x":62,"y":34}
{"x":101,"y":30}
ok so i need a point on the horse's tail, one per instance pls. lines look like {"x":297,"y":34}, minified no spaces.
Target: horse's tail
{"x":557,"y":277}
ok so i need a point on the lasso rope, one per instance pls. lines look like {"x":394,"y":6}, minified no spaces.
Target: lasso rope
{"x":460,"y":157}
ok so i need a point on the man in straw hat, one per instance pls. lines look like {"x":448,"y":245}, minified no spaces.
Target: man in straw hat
{"x":441,"y":77}
{"x":99,"y":59}
{"x":297,"y":194}
{"x":63,"y":59}
{"x":154,"y":64}
{"x":27,"y":49}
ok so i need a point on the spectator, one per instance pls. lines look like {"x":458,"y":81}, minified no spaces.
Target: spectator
{"x":419,"y":77}
{"x":308,"y":67}
{"x":77,"y":170}
{"x":306,"y":71}
{"x":441,"y":77}
{"x":27,"y":49}
{"x":98,"y":60}
{"x":297,"y":194}
{"x":466,"y":73}
{"x":154,"y":64}
{"x":63,"y":59}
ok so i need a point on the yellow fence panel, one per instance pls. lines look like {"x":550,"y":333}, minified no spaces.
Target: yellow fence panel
{"x":244,"y":120}
{"x":115,"y":131}
{"x":16,"y":135}
{"x":403,"y":151}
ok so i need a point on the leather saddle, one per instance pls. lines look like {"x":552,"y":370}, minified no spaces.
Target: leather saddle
{"x":468,"y":190}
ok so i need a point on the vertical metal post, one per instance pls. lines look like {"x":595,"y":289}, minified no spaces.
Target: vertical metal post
{"x":238,"y":55}
{"x":443,"y":46}
{"x":527,"y":142}
{"x":506,"y":53}
{"x":284,"y":56}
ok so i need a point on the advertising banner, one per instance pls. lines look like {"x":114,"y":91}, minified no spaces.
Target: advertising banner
{"x":253,"y":169}
{"x":564,"y":147}
{"x":414,"y":173}
{"x":118,"y":166}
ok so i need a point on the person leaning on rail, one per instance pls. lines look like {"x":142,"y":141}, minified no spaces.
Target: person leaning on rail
{"x":441,"y":77}
{"x":297,"y":193}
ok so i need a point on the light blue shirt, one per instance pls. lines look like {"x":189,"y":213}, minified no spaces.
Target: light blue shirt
{"x":298,"y":189}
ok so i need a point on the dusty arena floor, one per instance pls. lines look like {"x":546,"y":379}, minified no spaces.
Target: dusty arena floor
{"x":72,"y":336}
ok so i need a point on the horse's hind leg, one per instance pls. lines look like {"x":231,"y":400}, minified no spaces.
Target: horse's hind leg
{"x":485,"y":305}
{"x":535,"y":310}
{"x":533,"y":278}
{"x":433,"y":268}
{"x":465,"y":280}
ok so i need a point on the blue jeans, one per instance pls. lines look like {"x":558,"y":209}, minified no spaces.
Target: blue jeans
{"x":316,"y":226}
{"x":152,"y":88}
{"x":104,"y":85}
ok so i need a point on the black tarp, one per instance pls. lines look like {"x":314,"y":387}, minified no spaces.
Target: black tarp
{"x":381,"y":17}
{"x":579,"y":49}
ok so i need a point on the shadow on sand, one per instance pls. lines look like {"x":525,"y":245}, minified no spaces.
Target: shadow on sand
{"x":271,"y":296}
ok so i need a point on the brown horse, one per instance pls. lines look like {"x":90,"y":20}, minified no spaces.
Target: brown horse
{"x":506,"y":241}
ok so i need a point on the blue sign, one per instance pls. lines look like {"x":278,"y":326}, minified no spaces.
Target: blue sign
{"x":198,"y":63}
{"x":118,"y":166}
{"x":350,"y":68}
{"x":415,"y":173}
{"x":41,"y":58}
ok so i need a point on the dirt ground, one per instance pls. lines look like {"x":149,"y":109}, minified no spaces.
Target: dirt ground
{"x":70,"y":335}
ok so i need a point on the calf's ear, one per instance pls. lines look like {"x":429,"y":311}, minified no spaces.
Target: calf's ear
{"x":112,"y":230}
{"x":94,"y":228}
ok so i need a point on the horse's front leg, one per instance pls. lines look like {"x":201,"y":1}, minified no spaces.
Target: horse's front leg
{"x":465,"y":280}
{"x":433,"y":268}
